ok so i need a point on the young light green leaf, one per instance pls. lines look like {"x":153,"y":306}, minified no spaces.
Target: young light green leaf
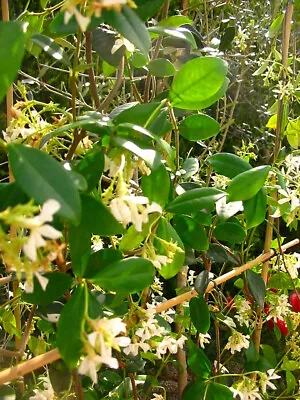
{"x":161,"y":68}
{"x":247,"y":184}
{"x":43,"y":178}
{"x":276,"y":25}
{"x":12,"y":42}
{"x":197,"y":81}
{"x":200,"y":315}
{"x":130,"y":275}
{"x":175,"y":21}
{"x":72,"y":321}
{"x":199,"y":127}
{"x":52,"y":48}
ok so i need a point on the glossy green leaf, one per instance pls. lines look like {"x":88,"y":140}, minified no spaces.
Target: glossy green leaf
{"x":12,"y":42}
{"x":255,"y":209}
{"x":52,"y":48}
{"x":178,"y":33}
{"x":218,"y":254}
{"x":161,"y":67}
{"x":138,"y":60}
{"x":194,"y":391}
{"x":247,"y":184}
{"x":197,"y":361}
{"x":91,"y":167}
{"x":230,"y":232}
{"x":228,"y":164}
{"x":11,"y":195}
{"x":257,"y":287}
{"x":202,"y":282}
{"x":58,"y":284}
{"x":195,"y":200}
{"x":191,"y":232}
{"x":80,"y":248}
{"x":175,"y":21}
{"x":130,"y":275}
{"x":166,"y":232}
{"x":97,"y":219}
{"x":196,"y":82}
{"x":199,"y":127}
{"x":101,"y":259}
{"x":151,"y":157}
{"x":269,"y":354}
{"x":290,"y":382}
{"x":148,"y":8}
{"x":103,"y":41}
{"x":71,"y":325}
{"x":129,"y":25}
{"x":216,"y":391}
{"x":157,"y":179}
{"x":200,"y":314}
{"x":43,"y":178}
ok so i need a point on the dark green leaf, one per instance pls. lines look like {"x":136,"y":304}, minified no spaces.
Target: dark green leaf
{"x":57,"y":286}
{"x":128,"y":24}
{"x":227,"y":38}
{"x":11,"y":195}
{"x":228,"y":164}
{"x":199,"y":127}
{"x":80,"y":248}
{"x":161,"y":68}
{"x":97,"y":219}
{"x":43,"y":178}
{"x":290,"y":382}
{"x":101,"y":259}
{"x":218,"y":254}
{"x":130,"y":275}
{"x":52,"y":48}
{"x":166,"y":232}
{"x":103,"y":41}
{"x":269,"y":354}
{"x":230,"y":232}
{"x":257,"y":287}
{"x":200,"y":315}
{"x":195,"y":200}
{"x":194,"y":391}
{"x":198,"y":361}
{"x":255,"y":209}
{"x":91,"y":167}
{"x":247,"y":184}
{"x":191,"y":232}
{"x":197,"y":81}
{"x":216,"y":391}
{"x":148,"y":8}
{"x":157,"y":179}
{"x":71,"y":325}
{"x":178,"y":33}
{"x":12,"y":42}
{"x":60,"y":377}
{"x":202,"y":282}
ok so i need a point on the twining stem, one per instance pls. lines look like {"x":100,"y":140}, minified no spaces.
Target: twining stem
{"x":89,"y":60}
{"x":27,"y":367}
{"x":185,"y":6}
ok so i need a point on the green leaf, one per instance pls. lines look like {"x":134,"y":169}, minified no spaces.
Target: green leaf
{"x":91,"y":167}
{"x":129,"y":25}
{"x":191,"y":232}
{"x":194,"y":391}
{"x":269,"y":354}
{"x":230,"y":232}
{"x":199,"y":127}
{"x":257,"y":287}
{"x":71,"y":325}
{"x":195,"y":200}
{"x":161,"y":67}
{"x":97,"y":219}
{"x":80,"y":248}
{"x":166,"y":232}
{"x":11,"y":195}
{"x":197,"y":81}
{"x":175,"y":21}
{"x":12,"y":42}
{"x":200,"y":314}
{"x":227,"y":38}
{"x":202,"y":282}
{"x":151,"y":157}
{"x":157,"y":179}
{"x":178,"y":33}
{"x":191,"y":167}
{"x":58,"y":284}
{"x":148,"y":8}
{"x":198,"y":361}
{"x":255,"y":209}
{"x":52,"y":48}
{"x":101,"y":259}
{"x":216,"y":391}
{"x":290,"y":382}
{"x":7,"y":393}
{"x":103,"y":41}
{"x":228,"y":164}
{"x":247,"y":184}
{"x":43,"y":178}
{"x":130,"y":275}
{"x":276,"y":25}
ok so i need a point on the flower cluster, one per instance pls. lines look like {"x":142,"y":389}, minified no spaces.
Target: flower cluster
{"x":244,"y":313}
{"x":279,"y":307}
{"x":237,"y":341}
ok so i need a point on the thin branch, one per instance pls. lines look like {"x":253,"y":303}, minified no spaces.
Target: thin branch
{"x":88,"y":56}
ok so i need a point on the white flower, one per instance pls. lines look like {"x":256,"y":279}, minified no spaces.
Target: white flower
{"x":203,"y":339}
{"x":133,"y":348}
{"x":191,"y":277}
{"x":133,"y":209}
{"x":247,"y":390}
{"x":222,"y":368}
{"x":279,"y":307}
{"x":46,"y":394}
{"x":265,"y":380}
{"x":157,"y":397}
{"x":159,"y":260}
{"x":244,"y":312}
{"x":237,"y":341}
{"x":89,"y":366}
{"x":39,"y":230}
{"x":170,"y":344}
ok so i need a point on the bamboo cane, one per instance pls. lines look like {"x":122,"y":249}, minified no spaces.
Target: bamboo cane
{"x":21,"y":369}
